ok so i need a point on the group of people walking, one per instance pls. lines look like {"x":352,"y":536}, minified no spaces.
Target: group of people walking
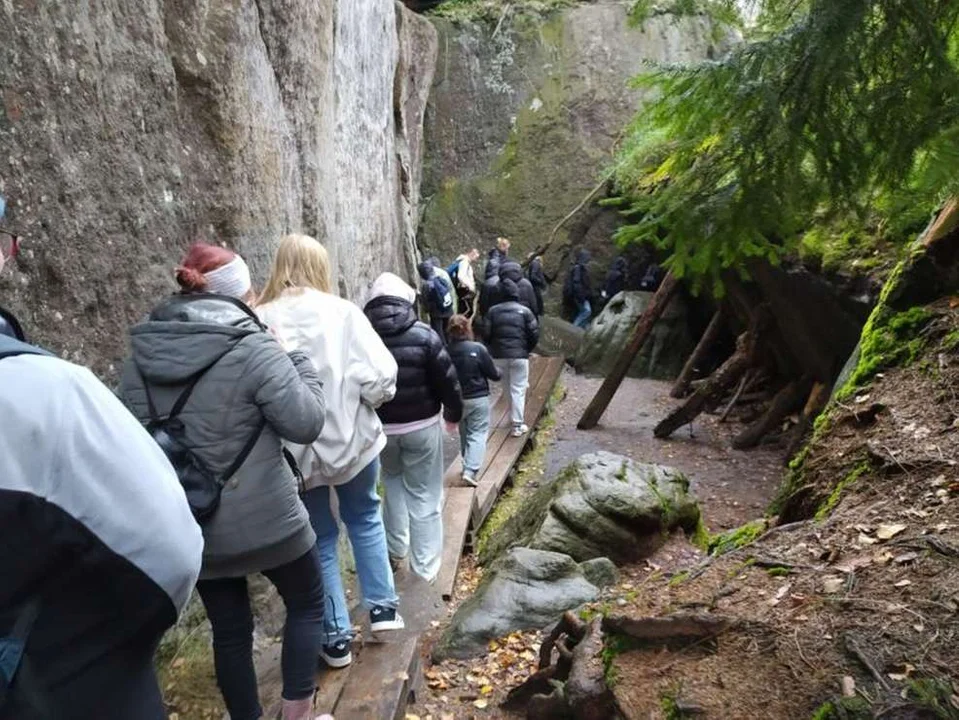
{"x":260,"y":407}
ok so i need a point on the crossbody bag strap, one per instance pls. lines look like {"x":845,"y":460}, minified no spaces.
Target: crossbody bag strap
{"x":12,"y":646}
{"x":244,"y":454}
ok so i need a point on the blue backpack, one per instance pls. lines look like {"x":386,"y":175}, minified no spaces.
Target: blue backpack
{"x":14,"y":642}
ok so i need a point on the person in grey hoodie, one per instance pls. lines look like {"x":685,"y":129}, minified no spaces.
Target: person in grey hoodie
{"x":250,"y":395}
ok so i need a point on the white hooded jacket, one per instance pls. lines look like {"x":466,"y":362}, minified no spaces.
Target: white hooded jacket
{"x":358,"y":375}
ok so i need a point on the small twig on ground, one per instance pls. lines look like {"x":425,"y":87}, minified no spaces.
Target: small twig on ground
{"x":739,"y":391}
{"x":799,"y":650}
{"x":853,"y":649}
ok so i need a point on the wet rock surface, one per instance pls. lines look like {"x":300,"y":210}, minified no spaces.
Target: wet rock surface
{"x":525,"y":589}
{"x":602,"y":505}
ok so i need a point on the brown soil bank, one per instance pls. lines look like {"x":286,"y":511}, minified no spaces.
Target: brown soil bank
{"x":847,"y":604}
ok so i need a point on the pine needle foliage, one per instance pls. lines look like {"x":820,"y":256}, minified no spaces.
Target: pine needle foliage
{"x":833,"y":107}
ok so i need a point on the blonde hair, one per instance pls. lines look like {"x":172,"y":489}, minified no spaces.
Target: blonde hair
{"x":300,"y":262}
{"x":502,"y":243}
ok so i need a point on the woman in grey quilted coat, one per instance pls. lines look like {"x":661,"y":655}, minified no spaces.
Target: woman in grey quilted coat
{"x":248,"y":388}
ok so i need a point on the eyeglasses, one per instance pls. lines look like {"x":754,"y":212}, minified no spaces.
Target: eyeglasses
{"x":9,"y":244}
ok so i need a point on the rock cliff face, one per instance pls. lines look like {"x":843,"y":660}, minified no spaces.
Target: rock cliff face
{"x":131,"y":127}
{"x":523,"y":117}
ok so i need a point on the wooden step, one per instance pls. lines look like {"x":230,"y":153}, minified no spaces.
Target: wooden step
{"x":456,"y":520}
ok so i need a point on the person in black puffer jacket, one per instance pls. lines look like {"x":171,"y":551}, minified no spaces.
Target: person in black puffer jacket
{"x":512,"y":332}
{"x":537,"y":278}
{"x":412,"y":461}
{"x":527,"y":295}
{"x":475,"y":369}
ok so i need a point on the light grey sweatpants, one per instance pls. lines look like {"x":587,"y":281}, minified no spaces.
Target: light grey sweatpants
{"x":516,"y":382}
{"x":413,"y":498}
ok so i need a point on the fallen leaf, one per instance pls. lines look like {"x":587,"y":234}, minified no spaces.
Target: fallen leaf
{"x":898,"y":677}
{"x":848,"y":686}
{"x":903,"y":583}
{"x":832,"y":585}
{"x":864,"y":539}
{"x":486,"y":690}
{"x":888,"y":532}
{"x":481,"y":704}
{"x":854,"y":564}
{"x":780,"y":594}
{"x":906,"y":557}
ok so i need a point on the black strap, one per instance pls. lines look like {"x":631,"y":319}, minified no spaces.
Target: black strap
{"x":244,"y":454}
{"x":11,"y":654}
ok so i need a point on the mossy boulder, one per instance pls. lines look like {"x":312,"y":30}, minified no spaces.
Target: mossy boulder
{"x":663,"y":354}
{"x":602,"y":505}
{"x":525,"y":589}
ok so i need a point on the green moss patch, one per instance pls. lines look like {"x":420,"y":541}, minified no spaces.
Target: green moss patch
{"x":736,"y":538}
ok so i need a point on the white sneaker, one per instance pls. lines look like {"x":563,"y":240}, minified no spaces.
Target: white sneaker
{"x":469,"y":478}
{"x":520,"y":430}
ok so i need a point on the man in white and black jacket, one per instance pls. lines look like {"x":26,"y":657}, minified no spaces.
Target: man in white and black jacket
{"x":98,"y":551}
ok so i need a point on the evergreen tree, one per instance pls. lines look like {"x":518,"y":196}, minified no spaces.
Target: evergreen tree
{"x":829,"y":107}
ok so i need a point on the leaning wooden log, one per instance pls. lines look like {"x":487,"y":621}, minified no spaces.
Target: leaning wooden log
{"x":588,"y":695}
{"x":642,"y":330}
{"x":785,"y":401}
{"x":711,"y":391}
{"x":569,"y":626}
{"x":681,"y":387}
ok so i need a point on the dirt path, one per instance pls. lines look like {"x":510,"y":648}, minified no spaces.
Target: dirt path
{"x":732,"y":486}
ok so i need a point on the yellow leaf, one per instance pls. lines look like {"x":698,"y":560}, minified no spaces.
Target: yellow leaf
{"x":486,"y":689}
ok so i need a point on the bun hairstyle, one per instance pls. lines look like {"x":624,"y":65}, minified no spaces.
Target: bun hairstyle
{"x":460,"y":328}
{"x":200,"y":259}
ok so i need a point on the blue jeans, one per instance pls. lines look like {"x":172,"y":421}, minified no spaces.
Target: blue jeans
{"x":413,"y":498}
{"x":584,"y":315}
{"x":474,"y":428}
{"x":359,"y":509}
{"x":227,"y":604}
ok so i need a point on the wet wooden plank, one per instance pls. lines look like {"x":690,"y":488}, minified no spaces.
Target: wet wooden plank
{"x":501,"y":464}
{"x":456,"y":520}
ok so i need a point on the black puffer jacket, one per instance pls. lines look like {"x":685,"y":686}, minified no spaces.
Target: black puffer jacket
{"x":474,"y":367}
{"x":489,"y":294}
{"x":527,"y":295}
{"x":427,"y":379}
{"x":511,"y":329}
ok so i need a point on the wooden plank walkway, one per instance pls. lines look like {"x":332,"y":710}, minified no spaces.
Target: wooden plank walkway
{"x":386,"y":673}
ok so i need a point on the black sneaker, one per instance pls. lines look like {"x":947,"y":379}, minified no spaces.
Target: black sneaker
{"x":384,"y":618}
{"x":338,"y":655}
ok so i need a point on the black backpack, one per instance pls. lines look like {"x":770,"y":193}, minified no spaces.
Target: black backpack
{"x":201,"y":485}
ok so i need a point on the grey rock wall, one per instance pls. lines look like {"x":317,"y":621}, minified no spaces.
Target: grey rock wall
{"x":130,"y":127}
{"x":524,"y":116}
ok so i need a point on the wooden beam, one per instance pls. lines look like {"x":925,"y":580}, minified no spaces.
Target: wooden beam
{"x":642,"y":330}
{"x":705,"y":342}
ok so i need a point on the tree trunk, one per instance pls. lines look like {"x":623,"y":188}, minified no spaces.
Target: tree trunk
{"x":783,"y":403}
{"x":717,"y":384}
{"x":588,"y":695}
{"x":818,"y":397}
{"x":644,"y":326}
{"x":681,"y":387}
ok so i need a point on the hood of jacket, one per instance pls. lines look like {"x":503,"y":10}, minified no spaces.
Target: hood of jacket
{"x":390,"y":315}
{"x":188,"y":333}
{"x":582,"y":257}
{"x":619,"y":264}
{"x":508,"y":290}
{"x":511,"y":271}
{"x":426,"y":270}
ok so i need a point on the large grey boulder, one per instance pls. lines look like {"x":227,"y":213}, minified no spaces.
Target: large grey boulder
{"x":526,"y":589}
{"x":559,"y":337}
{"x":602,"y":505}
{"x":663,"y":354}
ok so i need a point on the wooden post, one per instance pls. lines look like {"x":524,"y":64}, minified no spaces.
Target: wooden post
{"x":709,"y":337}
{"x":644,"y":326}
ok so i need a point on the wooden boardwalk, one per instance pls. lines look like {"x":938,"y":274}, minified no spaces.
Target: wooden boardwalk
{"x":386,"y":674}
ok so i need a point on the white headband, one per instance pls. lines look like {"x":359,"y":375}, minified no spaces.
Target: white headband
{"x":232,"y":279}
